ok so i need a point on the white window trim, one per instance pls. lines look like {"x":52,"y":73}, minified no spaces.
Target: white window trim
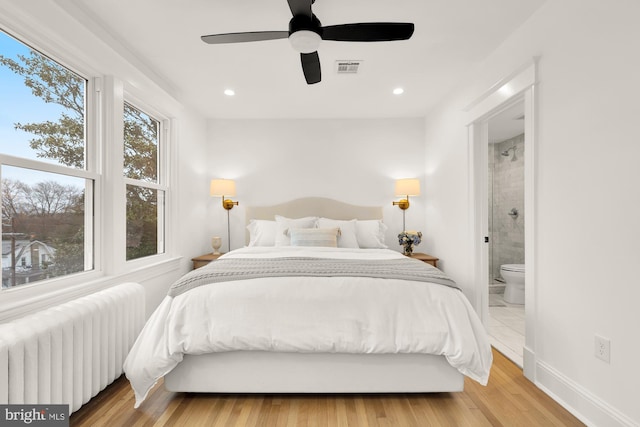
{"x":162,"y":184}
{"x":104,"y":98}
{"x":115,"y":182}
{"x":89,"y":173}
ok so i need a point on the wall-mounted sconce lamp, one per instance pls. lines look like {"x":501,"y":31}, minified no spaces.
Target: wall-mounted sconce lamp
{"x":405,"y":188}
{"x":224,"y":188}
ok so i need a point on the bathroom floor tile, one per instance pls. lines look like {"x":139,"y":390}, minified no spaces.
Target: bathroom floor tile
{"x":507,"y":327}
{"x":509,"y":338}
{"x":494,"y":322}
{"x":518,"y":326}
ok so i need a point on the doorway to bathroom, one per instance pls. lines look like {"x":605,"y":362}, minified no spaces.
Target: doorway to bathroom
{"x":505,"y":206}
{"x":519,"y":87}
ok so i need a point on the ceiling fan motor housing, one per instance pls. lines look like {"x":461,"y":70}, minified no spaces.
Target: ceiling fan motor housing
{"x":305,"y":34}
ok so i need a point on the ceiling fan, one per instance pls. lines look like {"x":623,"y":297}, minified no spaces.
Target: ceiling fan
{"x":305,"y":34}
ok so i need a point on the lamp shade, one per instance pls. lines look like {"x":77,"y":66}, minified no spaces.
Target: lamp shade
{"x":408,"y":187}
{"x":223,"y":187}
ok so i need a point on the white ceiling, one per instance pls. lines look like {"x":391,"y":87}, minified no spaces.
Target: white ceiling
{"x":164,"y":35}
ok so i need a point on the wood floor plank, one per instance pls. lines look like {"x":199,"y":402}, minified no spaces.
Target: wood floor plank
{"x":508,"y":400}
{"x":256,"y":405}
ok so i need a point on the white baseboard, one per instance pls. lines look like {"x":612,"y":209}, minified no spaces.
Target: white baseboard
{"x":529,"y":364}
{"x":588,"y":408}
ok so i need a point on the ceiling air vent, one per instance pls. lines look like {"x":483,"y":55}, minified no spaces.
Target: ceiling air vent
{"x":348,"y":67}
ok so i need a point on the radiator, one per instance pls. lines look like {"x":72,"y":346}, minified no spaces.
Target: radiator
{"x":68,"y":353}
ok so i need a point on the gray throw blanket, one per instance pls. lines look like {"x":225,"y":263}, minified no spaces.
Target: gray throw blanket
{"x":229,"y":269}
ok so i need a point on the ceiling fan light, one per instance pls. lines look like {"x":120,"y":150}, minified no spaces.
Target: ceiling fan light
{"x":305,"y":41}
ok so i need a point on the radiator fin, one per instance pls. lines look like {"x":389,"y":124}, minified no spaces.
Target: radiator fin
{"x":69,"y":353}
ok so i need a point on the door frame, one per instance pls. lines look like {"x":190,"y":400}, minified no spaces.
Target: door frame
{"x":519,"y":86}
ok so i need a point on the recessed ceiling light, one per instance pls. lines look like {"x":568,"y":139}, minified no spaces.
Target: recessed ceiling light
{"x":398,"y":91}
{"x":229,"y":92}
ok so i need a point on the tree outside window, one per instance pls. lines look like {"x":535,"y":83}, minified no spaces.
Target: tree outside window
{"x":44,"y":215}
{"x":141,"y":141}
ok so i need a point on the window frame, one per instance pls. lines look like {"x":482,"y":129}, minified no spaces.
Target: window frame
{"x":162,"y":176}
{"x":104,"y":104}
{"x":90,"y":172}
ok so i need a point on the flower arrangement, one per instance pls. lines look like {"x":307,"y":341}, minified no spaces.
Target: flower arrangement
{"x":407,"y":239}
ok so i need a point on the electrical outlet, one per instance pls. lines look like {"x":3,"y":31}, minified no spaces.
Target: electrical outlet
{"x":603,"y":348}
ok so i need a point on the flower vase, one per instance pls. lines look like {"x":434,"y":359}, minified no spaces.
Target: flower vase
{"x":408,"y":239}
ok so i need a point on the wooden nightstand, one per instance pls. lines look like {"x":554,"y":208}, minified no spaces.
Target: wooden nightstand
{"x":426,"y":258}
{"x":202,"y":260}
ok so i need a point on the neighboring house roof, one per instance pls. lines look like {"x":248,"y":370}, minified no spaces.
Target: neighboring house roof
{"x":6,"y":246}
{"x":24,"y":245}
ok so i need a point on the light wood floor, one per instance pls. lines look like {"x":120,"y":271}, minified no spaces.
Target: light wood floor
{"x":509,"y":400}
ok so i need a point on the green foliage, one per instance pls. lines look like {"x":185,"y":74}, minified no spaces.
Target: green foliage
{"x":140,"y":145}
{"x":69,"y":256}
{"x":62,"y":140}
{"x":50,"y":212}
{"x":53,"y":213}
{"x":142,"y":222}
{"x":140,"y":163}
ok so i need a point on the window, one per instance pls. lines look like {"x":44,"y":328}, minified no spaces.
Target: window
{"x":145,"y":191}
{"x":53,"y":136}
{"x":47,"y":190}
{"x":43,"y":107}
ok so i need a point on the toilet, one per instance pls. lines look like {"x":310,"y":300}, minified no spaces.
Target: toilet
{"x":513,"y":274}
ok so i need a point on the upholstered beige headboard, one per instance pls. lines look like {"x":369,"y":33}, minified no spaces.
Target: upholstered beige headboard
{"x":313,"y":206}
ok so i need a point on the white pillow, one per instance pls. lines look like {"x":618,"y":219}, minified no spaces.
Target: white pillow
{"x":262,"y":232}
{"x":326,"y":237}
{"x":283,"y":224}
{"x":347,"y":237}
{"x":370,"y":234}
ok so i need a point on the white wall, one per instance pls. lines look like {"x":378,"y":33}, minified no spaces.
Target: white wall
{"x":587,"y":199}
{"x":354,"y":161}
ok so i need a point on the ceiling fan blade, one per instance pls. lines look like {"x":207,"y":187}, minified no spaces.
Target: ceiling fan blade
{"x":311,"y":67}
{"x":368,"y":32}
{"x":244,"y":37}
{"x":300,"y":7}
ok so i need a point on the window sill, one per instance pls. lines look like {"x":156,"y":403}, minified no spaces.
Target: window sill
{"x":20,"y":301}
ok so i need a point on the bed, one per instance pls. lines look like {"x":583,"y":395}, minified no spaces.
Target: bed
{"x":301,"y":317}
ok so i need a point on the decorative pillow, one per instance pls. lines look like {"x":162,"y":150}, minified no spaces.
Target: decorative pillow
{"x":327,"y":237}
{"x":347,"y":237}
{"x":262,"y":232}
{"x":370,"y":234}
{"x":283,"y":224}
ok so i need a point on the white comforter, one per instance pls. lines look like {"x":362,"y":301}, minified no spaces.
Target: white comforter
{"x":311,"y":314}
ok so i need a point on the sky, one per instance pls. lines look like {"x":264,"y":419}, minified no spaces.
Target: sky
{"x":19,"y":105}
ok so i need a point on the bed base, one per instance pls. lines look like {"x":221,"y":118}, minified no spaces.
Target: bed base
{"x":269,"y":372}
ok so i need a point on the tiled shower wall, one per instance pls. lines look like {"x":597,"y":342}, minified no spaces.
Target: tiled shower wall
{"x":506,"y":191}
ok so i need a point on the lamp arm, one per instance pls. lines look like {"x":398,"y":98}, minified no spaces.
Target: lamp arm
{"x":402,"y":204}
{"x":228,"y":203}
